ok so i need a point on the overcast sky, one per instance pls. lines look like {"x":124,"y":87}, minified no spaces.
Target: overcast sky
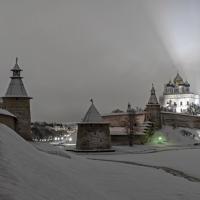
{"x":109,"y":50}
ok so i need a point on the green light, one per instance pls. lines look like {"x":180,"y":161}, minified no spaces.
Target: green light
{"x":158,"y":138}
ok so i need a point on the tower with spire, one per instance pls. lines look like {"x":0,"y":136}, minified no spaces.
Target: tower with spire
{"x":17,"y":101}
{"x":153,"y":109}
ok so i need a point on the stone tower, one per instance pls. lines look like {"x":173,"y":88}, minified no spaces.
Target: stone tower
{"x":153,"y":109}
{"x":93,"y":133}
{"x":17,"y":101}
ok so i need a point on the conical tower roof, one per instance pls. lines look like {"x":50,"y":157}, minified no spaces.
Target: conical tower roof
{"x":153,"y":98}
{"x":16,"y":87}
{"x":92,"y":115}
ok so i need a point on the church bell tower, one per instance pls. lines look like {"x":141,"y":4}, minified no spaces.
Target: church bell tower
{"x":17,"y":101}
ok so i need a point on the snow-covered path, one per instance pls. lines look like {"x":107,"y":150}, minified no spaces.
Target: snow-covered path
{"x":27,"y":173}
{"x":185,"y":160}
{"x":169,"y":170}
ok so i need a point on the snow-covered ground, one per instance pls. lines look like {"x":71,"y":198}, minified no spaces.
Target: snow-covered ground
{"x":179,"y":136}
{"x":44,"y":172}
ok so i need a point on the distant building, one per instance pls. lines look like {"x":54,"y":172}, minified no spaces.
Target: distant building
{"x":177,"y":96}
{"x":15,"y":105}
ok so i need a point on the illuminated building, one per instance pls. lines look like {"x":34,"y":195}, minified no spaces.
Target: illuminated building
{"x":177,"y":96}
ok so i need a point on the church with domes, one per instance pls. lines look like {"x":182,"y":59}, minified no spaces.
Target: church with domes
{"x":177,"y":96}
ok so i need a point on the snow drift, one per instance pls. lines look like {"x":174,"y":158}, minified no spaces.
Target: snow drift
{"x":27,"y":173}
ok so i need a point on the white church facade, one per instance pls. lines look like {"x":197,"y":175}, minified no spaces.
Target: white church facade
{"x":177,"y":96}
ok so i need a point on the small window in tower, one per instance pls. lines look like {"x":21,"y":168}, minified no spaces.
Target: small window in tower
{"x":181,"y":103}
{"x":187,"y":103}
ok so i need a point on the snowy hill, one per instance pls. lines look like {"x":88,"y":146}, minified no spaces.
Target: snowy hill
{"x":177,"y":136}
{"x":27,"y":173}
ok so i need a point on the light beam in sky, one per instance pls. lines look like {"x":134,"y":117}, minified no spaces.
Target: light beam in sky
{"x":178,"y":24}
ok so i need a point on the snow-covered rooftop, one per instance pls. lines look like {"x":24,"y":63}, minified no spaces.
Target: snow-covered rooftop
{"x":92,"y":115}
{"x":124,"y":113}
{"x":5,"y":112}
{"x":121,"y":131}
{"x":16,"y":89}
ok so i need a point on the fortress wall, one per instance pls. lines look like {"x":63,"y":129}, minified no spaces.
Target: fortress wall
{"x":122,"y":119}
{"x":8,"y":121}
{"x":180,"y":120}
{"x":116,"y":120}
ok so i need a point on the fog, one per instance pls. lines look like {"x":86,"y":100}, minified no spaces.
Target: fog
{"x":108,"y":50}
